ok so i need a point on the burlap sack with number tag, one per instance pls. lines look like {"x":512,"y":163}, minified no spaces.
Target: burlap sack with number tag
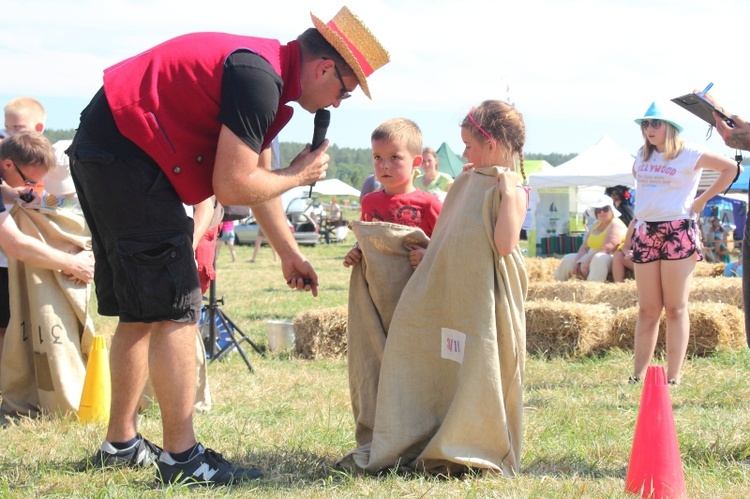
{"x":374,"y":289}
{"x":450,"y":391}
{"x":50,"y":332}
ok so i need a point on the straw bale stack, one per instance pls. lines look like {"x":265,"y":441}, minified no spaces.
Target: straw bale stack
{"x":713,"y":326}
{"x":540,"y":269}
{"x":617,"y":296}
{"x":321,"y":334}
{"x":556,"y":328}
{"x":624,"y":295}
{"x":574,"y":317}
{"x":708,"y":269}
{"x":726,"y":290}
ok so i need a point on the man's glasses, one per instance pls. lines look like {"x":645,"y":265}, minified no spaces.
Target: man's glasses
{"x":25,"y":180}
{"x":345,"y":93}
{"x":656,"y":124}
{"x":601,"y":210}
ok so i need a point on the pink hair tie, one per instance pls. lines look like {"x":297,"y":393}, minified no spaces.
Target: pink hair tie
{"x":479,"y":127}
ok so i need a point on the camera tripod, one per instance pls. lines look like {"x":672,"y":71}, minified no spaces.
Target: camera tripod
{"x":213,"y":315}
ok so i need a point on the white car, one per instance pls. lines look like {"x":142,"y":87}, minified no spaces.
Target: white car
{"x":304,"y":228}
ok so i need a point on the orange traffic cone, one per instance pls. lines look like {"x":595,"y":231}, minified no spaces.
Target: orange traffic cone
{"x":655,"y":469}
{"x":97,"y":387}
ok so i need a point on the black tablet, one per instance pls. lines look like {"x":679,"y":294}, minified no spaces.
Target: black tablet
{"x":701,"y":107}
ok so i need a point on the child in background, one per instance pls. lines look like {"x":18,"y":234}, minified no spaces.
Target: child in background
{"x":25,"y":158}
{"x":397,"y":153}
{"x":734,"y":269}
{"x":22,"y":114}
{"x":396,"y":224}
{"x":227,"y":237}
{"x":450,"y":387}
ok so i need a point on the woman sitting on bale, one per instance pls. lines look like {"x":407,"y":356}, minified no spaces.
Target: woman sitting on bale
{"x":593,"y":261}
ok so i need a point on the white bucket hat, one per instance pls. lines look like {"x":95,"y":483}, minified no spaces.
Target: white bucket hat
{"x":601,"y":203}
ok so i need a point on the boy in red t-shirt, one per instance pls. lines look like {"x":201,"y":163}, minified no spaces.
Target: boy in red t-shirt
{"x":396,"y":154}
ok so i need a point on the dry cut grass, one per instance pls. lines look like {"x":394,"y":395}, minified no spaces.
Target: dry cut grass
{"x":292,"y":418}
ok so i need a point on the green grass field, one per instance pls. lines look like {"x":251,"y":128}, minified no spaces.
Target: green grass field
{"x":292,"y":418}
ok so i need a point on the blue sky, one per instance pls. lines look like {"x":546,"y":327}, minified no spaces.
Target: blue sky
{"x":577,"y":70}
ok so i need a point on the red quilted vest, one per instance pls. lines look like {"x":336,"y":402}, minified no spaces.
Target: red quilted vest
{"x":167,"y":103}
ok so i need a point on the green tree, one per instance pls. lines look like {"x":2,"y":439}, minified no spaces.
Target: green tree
{"x":54,"y":135}
{"x":554,"y":158}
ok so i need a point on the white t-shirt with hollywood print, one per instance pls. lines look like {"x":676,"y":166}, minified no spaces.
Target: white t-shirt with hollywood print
{"x":665,"y":189}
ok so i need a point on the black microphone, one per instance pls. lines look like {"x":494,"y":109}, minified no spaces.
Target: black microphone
{"x":322,"y":120}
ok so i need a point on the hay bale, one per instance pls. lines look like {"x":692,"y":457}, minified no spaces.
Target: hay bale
{"x":562,"y":328}
{"x":708,"y":269}
{"x":616,"y":296}
{"x":540,"y":269}
{"x":713,"y":327}
{"x":624,"y":295}
{"x":722,"y":289}
{"x":321,"y":334}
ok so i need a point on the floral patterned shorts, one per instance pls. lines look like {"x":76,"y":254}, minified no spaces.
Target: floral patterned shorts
{"x":675,"y":240}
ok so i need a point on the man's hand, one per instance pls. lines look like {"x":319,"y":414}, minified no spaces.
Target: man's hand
{"x":82,"y":269}
{"x":737,"y":137}
{"x":299,"y":274}
{"x":310,"y":166}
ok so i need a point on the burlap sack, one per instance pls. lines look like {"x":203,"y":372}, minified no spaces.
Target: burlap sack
{"x":50,"y":332}
{"x":450,"y":392}
{"x":374,"y":289}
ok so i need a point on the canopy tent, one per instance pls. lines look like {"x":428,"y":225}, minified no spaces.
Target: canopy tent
{"x":334,"y":187}
{"x":564,"y":192}
{"x":730,"y":209}
{"x":709,"y":176}
{"x":535,"y":166}
{"x":331,"y":187}
{"x":605,"y":164}
{"x":448,"y":161}
{"x":742,"y":181}
{"x":529,"y":167}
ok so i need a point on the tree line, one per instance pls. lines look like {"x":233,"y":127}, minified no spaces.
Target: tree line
{"x":347,"y":164}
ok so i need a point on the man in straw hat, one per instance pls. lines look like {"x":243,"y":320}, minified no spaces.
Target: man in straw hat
{"x":189,"y":118}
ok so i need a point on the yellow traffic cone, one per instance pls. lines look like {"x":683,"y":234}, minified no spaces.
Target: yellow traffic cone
{"x":97,"y":386}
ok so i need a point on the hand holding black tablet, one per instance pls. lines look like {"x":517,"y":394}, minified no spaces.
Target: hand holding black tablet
{"x":700,"y":106}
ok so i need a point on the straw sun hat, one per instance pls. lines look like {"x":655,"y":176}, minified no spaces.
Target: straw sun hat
{"x":356,"y":44}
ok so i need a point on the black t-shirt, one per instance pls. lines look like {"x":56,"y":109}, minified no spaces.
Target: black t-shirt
{"x":250,"y":94}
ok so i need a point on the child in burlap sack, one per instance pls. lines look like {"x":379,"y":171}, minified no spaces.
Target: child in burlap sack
{"x":391,"y":239}
{"x":450,"y":388}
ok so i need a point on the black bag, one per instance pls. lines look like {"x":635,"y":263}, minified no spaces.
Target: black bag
{"x":235,"y":213}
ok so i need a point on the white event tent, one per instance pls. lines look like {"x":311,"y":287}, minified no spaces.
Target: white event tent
{"x":563,"y":193}
{"x":605,"y":163}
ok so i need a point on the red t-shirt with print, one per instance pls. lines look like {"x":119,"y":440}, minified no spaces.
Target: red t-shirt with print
{"x":415,"y":209}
